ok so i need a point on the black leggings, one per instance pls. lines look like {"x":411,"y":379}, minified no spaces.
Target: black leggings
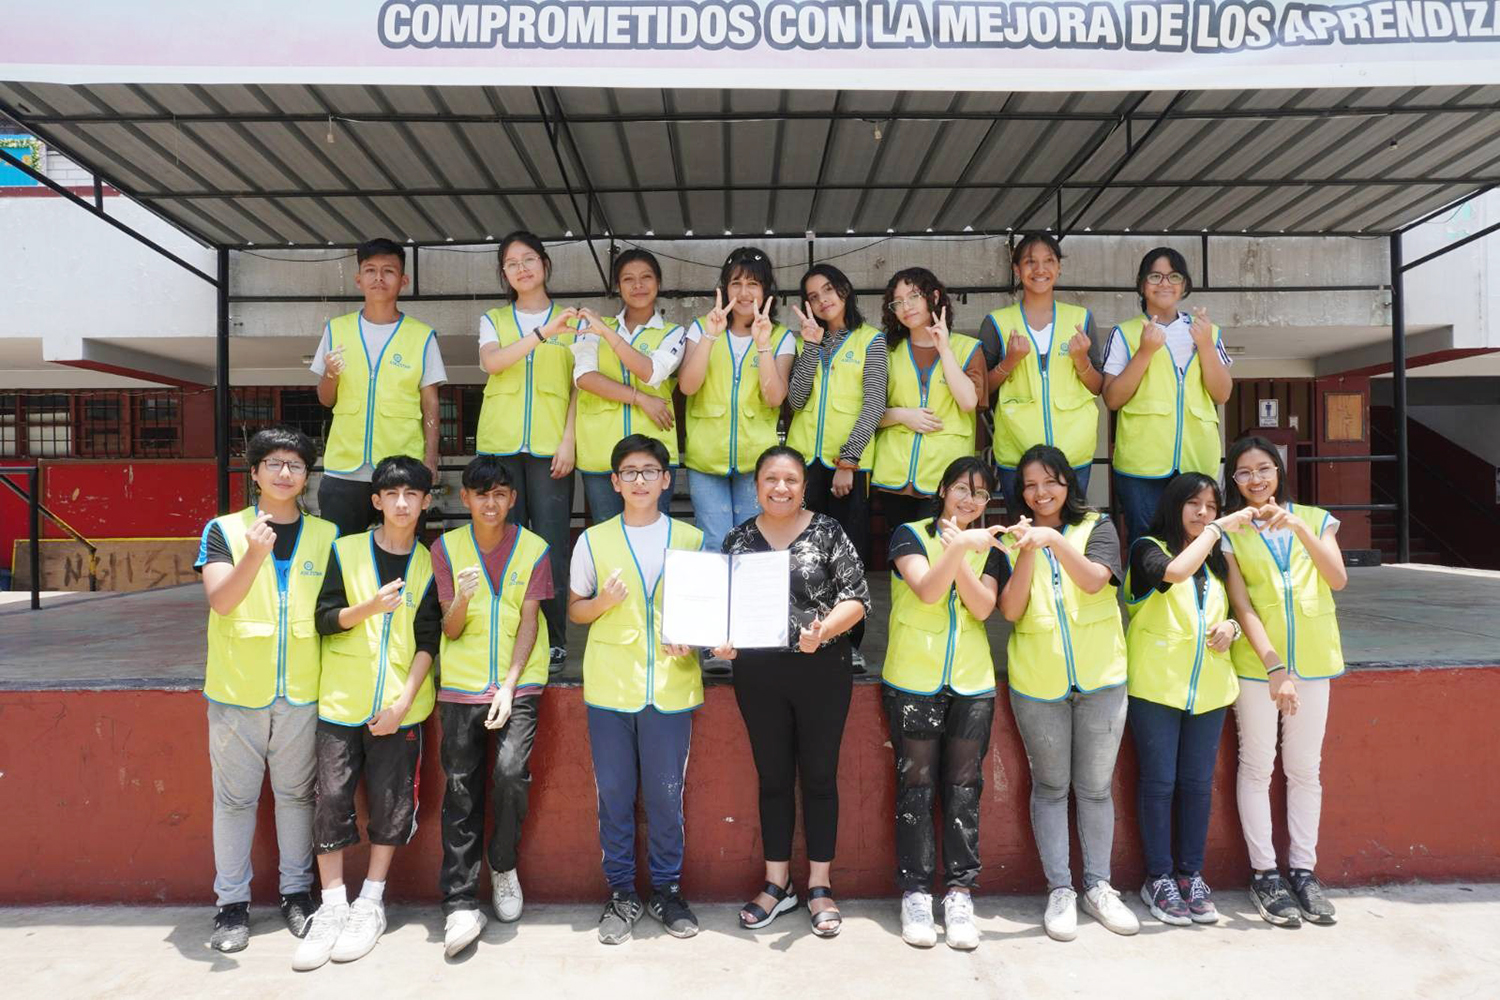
{"x":794,"y":705}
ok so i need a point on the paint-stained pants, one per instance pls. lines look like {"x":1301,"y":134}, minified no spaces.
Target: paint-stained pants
{"x":645,"y":751}
{"x":243,"y":743}
{"x":1301,"y":760}
{"x":940,"y":742}
{"x":465,"y":752}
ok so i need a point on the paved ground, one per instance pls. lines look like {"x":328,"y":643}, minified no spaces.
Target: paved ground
{"x":1390,"y":615}
{"x":1411,"y":941}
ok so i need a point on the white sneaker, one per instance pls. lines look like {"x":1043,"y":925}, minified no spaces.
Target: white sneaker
{"x":917,"y":928}
{"x":323,"y":930}
{"x":505,"y":894}
{"x":958,"y":921}
{"x":461,"y":929}
{"x":1103,"y":903}
{"x":365,"y":925}
{"x":1061,"y":918}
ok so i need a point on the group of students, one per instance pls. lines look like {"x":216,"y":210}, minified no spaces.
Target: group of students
{"x":325,"y":659}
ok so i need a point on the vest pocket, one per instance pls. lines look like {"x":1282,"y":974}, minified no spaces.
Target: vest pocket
{"x":710,"y":408}
{"x":1204,"y":411}
{"x":499,"y":385}
{"x":1145,"y":404}
{"x":615,"y":635}
{"x":349,"y":402}
{"x":402,"y":407}
{"x":1317,"y":605}
{"x":845,"y":404}
{"x":930,"y":618}
{"x":1097,"y":611}
{"x":304,"y":629}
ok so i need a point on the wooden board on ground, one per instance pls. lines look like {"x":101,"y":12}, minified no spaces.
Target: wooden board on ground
{"x":122,"y":564}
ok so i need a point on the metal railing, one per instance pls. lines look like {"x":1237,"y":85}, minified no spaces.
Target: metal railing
{"x":35,"y":511}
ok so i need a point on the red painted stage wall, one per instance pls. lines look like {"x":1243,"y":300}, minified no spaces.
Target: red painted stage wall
{"x":107,"y":798}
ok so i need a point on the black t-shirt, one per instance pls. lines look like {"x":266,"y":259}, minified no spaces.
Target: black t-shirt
{"x":216,"y":549}
{"x":427,"y":625}
{"x":1148,"y":570}
{"x":904,"y":542}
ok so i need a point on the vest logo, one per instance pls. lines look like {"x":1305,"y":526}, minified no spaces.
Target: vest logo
{"x":515,"y":578}
{"x":398,"y":363}
{"x":411,"y":601}
{"x":308,"y":569}
{"x":849,"y":354}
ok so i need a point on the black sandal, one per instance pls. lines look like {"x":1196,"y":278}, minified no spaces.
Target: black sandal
{"x":825,"y":923}
{"x":785,"y":898}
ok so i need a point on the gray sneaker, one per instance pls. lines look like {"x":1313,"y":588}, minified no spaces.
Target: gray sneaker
{"x":619,"y":917}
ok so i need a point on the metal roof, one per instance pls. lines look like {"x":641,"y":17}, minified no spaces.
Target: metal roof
{"x":241,"y":165}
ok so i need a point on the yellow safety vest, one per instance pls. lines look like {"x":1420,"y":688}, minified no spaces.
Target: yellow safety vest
{"x":1170,"y":662}
{"x":480,"y":657}
{"x":1171,"y":424}
{"x":940,"y":645}
{"x":525,"y":409}
{"x":624,"y":667}
{"x":1045,"y":407}
{"x":903,"y":457}
{"x":365,"y":668}
{"x":1293,"y":601}
{"x":602,"y":423}
{"x":1067,"y":639}
{"x":728,"y":423}
{"x":378,"y":412}
{"x":267,"y":647}
{"x":825,"y":421}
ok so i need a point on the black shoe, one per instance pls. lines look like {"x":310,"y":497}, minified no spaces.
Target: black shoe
{"x":297,"y":910}
{"x":668,"y":906}
{"x":557,"y":657}
{"x":1274,"y":901}
{"x":1308,"y":892}
{"x":857,"y":664}
{"x":619,"y":917}
{"x":231,"y":928}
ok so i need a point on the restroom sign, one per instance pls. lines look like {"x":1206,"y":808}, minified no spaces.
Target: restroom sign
{"x":1270,"y":412}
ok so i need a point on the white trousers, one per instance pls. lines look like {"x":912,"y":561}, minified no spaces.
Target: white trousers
{"x":1301,"y":759}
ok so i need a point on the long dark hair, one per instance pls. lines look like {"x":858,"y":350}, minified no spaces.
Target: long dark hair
{"x":532,"y":242}
{"x":1027,"y":241}
{"x":1056,"y":463}
{"x":842,"y":287}
{"x":966,"y":468}
{"x":1167,"y":524}
{"x":751,"y":262}
{"x":631,"y":256}
{"x":923,"y":281}
{"x":1253,"y":442}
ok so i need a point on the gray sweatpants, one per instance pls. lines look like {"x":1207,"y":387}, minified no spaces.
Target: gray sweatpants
{"x":242,"y":744}
{"x":1074,"y":743}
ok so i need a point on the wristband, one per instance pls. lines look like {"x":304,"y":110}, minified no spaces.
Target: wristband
{"x":1238,"y":630}
{"x":1217,"y":527}
{"x":846,"y":463}
{"x":1272,"y":670}
{"x":537,"y":333}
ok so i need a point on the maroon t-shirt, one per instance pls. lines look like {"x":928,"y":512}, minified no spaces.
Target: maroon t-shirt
{"x":539,"y":588}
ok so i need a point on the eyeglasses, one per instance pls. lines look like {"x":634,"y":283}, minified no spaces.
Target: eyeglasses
{"x":1266,"y":472}
{"x":1156,"y":278}
{"x":524,"y":264}
{"x":645,"y":475}
{"x":960,"y":491}
{"x":275,"y":465}
{"x":913,"y":300}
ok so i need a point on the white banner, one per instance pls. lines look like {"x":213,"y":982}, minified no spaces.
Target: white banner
{"x":775,"y":44}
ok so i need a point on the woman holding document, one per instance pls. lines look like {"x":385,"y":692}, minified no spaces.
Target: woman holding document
{"x":795,"y":699}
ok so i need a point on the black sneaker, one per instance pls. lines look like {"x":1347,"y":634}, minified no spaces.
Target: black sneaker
{"x":297,"y":910}
{"x":1200,"y":899}
{"x":1308,"y":892}
{"x":668,"y":906}
{"x":558,"y":657}
{"x":231,"y":928}
{"x":1164,"y":901}
{"x":1274,"y":901}
{"x":619,"y":917}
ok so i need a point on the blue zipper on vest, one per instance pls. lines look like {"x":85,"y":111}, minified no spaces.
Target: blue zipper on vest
{"x":1200,"y":600}
{"x":1286,"y":596}
{"x":384,"y":659}
{"x":1062,"y":614}
{"x":826,"y":364}
{"x":494,"y":599}
{"x":282,"y":586}
{"x":734,"y":406}
{"x":1044,"y":368}
{"x":359,"y":319}
{"x":922,"y":387}
{"x":530,"y":357}
{"x":650,"y":597}
{"x":952,"y":639}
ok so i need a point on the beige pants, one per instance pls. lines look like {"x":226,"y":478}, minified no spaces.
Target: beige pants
{"x":1301,"y":759}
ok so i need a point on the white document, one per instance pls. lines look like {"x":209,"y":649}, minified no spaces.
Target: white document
{"x":714,"y":599}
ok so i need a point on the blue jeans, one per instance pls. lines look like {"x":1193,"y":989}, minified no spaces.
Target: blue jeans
{"x":1177,"y":753}
{"x":605,"y":501}
{"x":721,"y":503}
{"x":545,"y":505}
{"x":1010,"y":485}
{"x":1135,"y":504}
{"x":645,"y":750}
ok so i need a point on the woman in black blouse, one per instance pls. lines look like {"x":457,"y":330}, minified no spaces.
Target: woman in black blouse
{"x":794,"y":701}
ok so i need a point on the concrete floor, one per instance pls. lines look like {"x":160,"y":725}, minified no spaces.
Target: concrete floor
{"x":1389,"y":616}
{"x":1408,"y":941}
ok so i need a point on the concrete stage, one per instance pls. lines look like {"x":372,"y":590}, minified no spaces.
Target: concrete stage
{"x":104,"y":764}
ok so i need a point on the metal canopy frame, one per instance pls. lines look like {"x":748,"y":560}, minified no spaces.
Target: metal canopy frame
{"x":1069,"y":195}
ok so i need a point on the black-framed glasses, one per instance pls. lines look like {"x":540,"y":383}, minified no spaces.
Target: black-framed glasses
{"x":275,"y":465}
{"x":645,"y":475}
{"x":1173,"y":278}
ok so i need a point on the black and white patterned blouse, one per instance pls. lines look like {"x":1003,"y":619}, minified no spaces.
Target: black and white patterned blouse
{"x":825,"y":568}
